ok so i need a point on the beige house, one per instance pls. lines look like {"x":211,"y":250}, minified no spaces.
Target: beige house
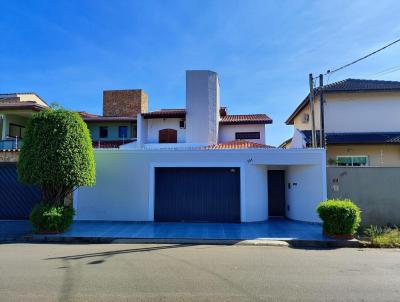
{"x":15,"y":111}
{"x":361,"y":123}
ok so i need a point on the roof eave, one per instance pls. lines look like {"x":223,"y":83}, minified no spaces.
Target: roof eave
{"x":245,"y":122}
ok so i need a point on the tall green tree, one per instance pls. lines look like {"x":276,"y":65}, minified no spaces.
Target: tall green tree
{"x":57,"y":154}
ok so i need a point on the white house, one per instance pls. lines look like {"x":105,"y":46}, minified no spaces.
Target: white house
{"x":202,"y":164}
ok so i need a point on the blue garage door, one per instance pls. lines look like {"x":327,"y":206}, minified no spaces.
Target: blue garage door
{"x":197,"y":194}
{"x":16,"y":199}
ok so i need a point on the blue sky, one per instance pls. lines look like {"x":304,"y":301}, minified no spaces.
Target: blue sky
{"x":70,"y":51}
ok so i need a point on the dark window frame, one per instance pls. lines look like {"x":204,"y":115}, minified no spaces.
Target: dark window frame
{"x":182,"y":124}
{"x":119,"y":131}
{"x":16,"y":125}
{"x":247,"y":135}
{"x":102,"y":128}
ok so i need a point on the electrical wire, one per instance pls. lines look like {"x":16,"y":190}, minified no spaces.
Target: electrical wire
{"x":362,"y":58}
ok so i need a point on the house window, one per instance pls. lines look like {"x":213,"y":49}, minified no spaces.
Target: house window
{"x":103,"y":131}
{"x":352,"y":161}
{"x":16,"y":131}
{"x":182,"y":124}
{"x":247,"y":135}
{"x":123,"y":131}
{"x":166,"y":136}
{"x":305,"y":118}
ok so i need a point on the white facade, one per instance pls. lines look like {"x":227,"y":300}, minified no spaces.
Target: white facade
{"x":124,"y":187}
{"x":227,"y":133}
{"x":155,"y":125}
{"x":202,"y":107}
{"x":355,"y":112}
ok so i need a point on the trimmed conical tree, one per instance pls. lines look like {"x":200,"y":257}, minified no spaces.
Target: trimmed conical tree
{"x":57,"y":154}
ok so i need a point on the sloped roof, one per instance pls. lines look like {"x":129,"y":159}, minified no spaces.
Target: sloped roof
{"x":84,"y":114}
{"x":238,"y":144}
{"x":165,"y":113}
{"x":349,"y":85}
{"x":357,"y":138}
{"x":245,"y":119}
{"x":22,"y":106}
{"x":94,"y":118}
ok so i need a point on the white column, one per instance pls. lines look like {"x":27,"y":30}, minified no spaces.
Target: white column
{"x":4,"y":126}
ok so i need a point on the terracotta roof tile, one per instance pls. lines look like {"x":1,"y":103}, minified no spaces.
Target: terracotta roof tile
{"x":165,"y":113}
{"x":245,"y":119}
{"x":86,"y":114}
{"x":238,"y":144}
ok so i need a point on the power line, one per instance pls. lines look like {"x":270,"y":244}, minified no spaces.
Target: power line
{"x":364,"y":57}
{"x":386,"y":71}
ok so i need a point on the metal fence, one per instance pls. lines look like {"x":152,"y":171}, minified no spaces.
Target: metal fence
{"x":10,"y":144}
{"x":376,"y":190}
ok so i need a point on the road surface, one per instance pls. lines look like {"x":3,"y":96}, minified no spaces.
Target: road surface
{"x":117,"y":272}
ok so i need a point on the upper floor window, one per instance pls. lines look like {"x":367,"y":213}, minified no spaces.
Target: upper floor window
{"x":123,"y":131}
{"x":103,"y":132}
{"x":182,"y":124}
{"x":16,"y":130}
{"x":167,"y":136}
{"x":305,"y":118}
{"x":352,"y":161}
{"x":247,"y":135}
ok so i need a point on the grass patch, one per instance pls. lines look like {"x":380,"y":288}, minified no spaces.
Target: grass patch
{"x":384,"y":236}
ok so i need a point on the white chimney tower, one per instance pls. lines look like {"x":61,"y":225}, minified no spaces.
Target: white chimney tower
{"x":202,"y":107}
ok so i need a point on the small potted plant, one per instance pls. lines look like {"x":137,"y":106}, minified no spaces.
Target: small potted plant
{"x":341,"y":218}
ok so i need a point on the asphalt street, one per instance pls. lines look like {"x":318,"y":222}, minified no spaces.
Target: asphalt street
{"x":119,"y":272}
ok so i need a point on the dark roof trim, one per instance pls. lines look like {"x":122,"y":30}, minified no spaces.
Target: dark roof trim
{"x":165,"y":113}
{"x":348,"y":86}
{"x":109,"y":119}
{"x":22,"y":106}
{"x":365,"y":138}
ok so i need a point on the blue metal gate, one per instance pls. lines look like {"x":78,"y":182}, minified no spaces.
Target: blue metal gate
{"x":16,"y":199}
{"x":197,"y":194}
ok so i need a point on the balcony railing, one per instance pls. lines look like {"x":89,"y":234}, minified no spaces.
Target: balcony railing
{"x":11,"y":144}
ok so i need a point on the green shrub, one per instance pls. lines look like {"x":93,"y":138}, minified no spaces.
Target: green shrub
{"x":383,"y":236}
{"x":49,"y":218}
{"x":57,"y":154}
{"x":340,"y":217}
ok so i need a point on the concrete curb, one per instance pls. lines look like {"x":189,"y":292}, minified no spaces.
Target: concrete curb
{"x":257,"y":242}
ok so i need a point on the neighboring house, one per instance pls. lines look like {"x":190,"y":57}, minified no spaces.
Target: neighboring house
{"x":362,"y":124}
{"x":200,"y":164}
{"x":15,"y":111}
{"x":117,"y":125}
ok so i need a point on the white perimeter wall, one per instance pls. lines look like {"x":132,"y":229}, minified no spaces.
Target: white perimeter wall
{"x":227,"y":132}
{"x":125,"y":181}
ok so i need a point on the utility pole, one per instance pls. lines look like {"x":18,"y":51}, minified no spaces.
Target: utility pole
{"x":313,"y":134}
{"x":321,"y":112}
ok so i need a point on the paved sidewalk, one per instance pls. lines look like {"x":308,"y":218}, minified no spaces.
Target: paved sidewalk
{"x":274,"y":229}
{"x":272,"y":232}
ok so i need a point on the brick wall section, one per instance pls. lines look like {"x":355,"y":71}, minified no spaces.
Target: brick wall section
{"x":124,"y":102}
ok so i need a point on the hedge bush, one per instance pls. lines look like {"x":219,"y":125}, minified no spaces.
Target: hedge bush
{"x":57,"y":154}
{"x":340,"y":217}
{"x":49,"y":218}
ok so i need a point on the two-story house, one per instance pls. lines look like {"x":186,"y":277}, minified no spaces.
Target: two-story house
{"x":118,"y":124}
{"x":15,"y":111}
{"x":361,"y":123}
{"x":202,"y":164}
